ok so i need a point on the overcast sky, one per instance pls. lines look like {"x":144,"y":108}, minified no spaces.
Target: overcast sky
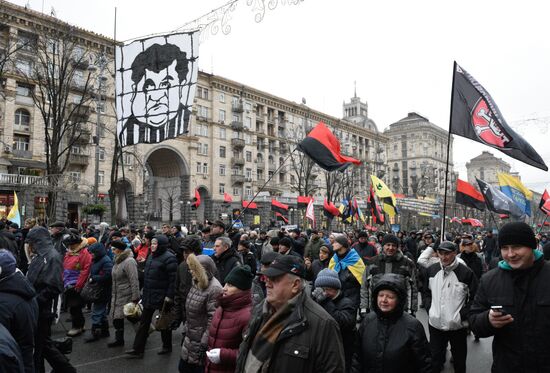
{"x":400,"y":53}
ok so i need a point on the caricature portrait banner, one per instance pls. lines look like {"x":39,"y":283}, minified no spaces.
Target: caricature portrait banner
{"x":155,"y":85}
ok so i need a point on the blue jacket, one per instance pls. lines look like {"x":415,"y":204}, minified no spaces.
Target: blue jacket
{"x":100,"y":271}
{"x":10,"y":356}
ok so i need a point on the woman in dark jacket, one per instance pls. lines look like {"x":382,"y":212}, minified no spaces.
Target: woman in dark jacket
{"x":469,"y":253}
{"x":313,"y":268}
{"x":230,"y":322}
{"x":158,"y":293}
{"x":100,"y":273}
{"x":391,"y":340}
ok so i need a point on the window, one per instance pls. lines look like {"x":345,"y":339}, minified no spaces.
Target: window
{"x":202,"y":112}
{"x":101,"y":106}
{"x":24,"y":66}
{"x":235,"y":101}
{"x":22,"y":118}
{"x":260,"y":174}
{"x":23,"y":90}
{"x":75,"y":176}
{"x":248,"y":122}
{"x":203,"y":149}
{"x":78,"y":53}
{"x":21,"y":142}
{"x":205,"y":168}
{"x":222,"y":170}
{"x":101,"y":154}
{"x":222,"y":115}
{"x":236,"y":118}
{"x":78,"y":78}
{"x":222,"y":97}
{"x":248,"y":106}
{"x":75,"y":149}
{"x":222,"y":151}
{"x":248,"y":173}
{"x":249,"y":156}
{"x":248,"y":192}
{"x":101,"y":177}
{"x":102,"y":130}
{"x":221,"y":188}
{"x":223,"y":134}
{"x":199,"y":167}
{"x":201,"y":130}
{"x":128,"y":159}
{"x":247,"y":139}
{"x":236,"y":191}
{"x":77,"y":99}
{"x":205,"y":93}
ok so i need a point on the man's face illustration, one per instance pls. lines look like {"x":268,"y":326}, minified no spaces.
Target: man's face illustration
{"x":159,"y":94}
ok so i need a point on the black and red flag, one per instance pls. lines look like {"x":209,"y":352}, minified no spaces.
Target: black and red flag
{"x":278,"y":206}
{"x":469,"y":196}
{"x":250,"y":206}
{"x":281,"y":217}
{"x":375,"y":210}
{"x":303,"y":201}
{"x":475,"y":115}
{"x":196,"y":201}
{"x":330,"y":210}
{"x":544,"y":204}
{"x":324,"y":149}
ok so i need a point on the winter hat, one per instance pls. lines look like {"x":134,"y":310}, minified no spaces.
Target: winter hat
{"x":136,"y":242}
{"x":91,"y":240}
{"x":192,"y":244}
{"x":390,"y":238}
{"x":327,"y":247}
{"x":269,"y":257}
{"x":517,"y":233}
{"x":118,"y":245}
{"x":240,"y":277}
{"x":7,"y":263}
{"x":286,"y":242}
{"x":328,"y":278}
{"x":163,"y":241}
{"x":363,"y":234}
{"x":116,"y":234}
{"x":342,"y":240}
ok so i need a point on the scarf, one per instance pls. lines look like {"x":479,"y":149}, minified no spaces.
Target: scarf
{"x":352,"y":261}
{"x":264,"y":341}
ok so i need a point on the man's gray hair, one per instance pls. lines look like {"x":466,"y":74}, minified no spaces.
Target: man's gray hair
{"x":302,"y":281}
{"x":225,"y":241}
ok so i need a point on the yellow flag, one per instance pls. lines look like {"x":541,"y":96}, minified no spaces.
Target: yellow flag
{"x":14,"y":215}
{"x":386,"y":196}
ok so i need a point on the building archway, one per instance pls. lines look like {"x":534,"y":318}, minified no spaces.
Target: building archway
{"x":205,"y":207}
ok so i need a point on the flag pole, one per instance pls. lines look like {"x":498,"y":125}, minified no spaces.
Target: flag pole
{"x":447,"y":161}
{"x":493,"y":218}
{"x":542,"y":224}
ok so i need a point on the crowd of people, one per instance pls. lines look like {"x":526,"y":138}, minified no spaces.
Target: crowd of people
{"x":275,"y":300}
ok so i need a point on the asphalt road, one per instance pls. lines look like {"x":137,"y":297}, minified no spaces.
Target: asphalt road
{"x":97,"y":358}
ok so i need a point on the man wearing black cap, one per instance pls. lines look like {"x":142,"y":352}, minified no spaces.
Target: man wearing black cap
{"x":364,"y":248}
{"x":7,"y":241}
{"x":298,"y":242}
{"x":390,"y":260}
{"x":286,"y":248}
{"x":290,"y":332}
{"x":513,"y":304}
{"x":449,"y":289}
{"x":57,"y":231}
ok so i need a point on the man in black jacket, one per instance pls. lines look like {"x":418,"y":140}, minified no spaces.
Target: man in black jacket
{"x":519,"y":287}
{"x":57,"y":231}
{"x":8,"y":242}
{"x":225,"y":257}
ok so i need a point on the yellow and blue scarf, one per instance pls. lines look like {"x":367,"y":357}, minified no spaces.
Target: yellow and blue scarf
{"x":352,"y":261}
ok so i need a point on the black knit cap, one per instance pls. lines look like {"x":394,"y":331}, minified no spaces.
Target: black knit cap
{"x":240,"y":277}
{"x":390,"y":238}
{"x":517,"y":233}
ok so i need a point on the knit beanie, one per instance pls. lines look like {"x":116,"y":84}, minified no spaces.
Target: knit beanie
{"x":390,"y":238}
{"x":7,"y":263}
{"x":342,"y":240}
{"x":240,"y":277}
{"x":517,"y":233}
{"x":328,"y":278}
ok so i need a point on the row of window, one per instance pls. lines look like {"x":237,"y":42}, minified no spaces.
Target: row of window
{"x":236,"y":191}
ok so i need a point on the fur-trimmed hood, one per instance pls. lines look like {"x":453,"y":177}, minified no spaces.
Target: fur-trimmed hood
{"x":202,"y":269}
{"x":83,"y":244}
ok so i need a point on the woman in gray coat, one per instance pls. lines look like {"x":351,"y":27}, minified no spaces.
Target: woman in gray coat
{"x":125,"y":288}
{"x":200,"y":307}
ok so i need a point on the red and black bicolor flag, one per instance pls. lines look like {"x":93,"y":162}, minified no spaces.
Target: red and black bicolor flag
{"x":468,"y":196}
{"x":504,"y":216}
{"x":544,"y":204}
{"x":250,"y":206}
{"x":196,"y":201}
{"x":303,"y":201}
{"x":375,"y":210}
{"x":324,"y":149}
{"x":278,"y":206}
{"x":330,"y":210}
{"x":281,"y":217}
{"x":475,"y":115}
{"x":227,"y":198}
{"x":472,"y":222}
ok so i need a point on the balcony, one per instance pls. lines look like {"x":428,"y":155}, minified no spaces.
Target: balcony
{"x":237,"y":178}
{"x":237,"y":107}
{"x":272,"y":167}
{"x":84,"y":138}
{"x":237,"y":161}
{"x":79,"y":159}
{"x":260,"y":165}
{"x":237,"y":126}
{"x":21,"y":153}
{"x":24,"y":100}
{"x":80,"y":113}
{"x":238,"y":143}
{"x":15,"y":179}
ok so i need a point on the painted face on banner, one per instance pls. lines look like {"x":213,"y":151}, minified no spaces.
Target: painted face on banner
{"x":158,"y":96}
{"x":487,"y":129}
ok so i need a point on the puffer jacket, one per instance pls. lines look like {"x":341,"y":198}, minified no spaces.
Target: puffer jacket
{"x":76,"y":266}
{"x":225,"y":263}
{"x":521,"y":346}
{"x":200,"y":307}
{"x":19,"y":313}
{"x":10,"y":356}
{"x":8,"y":242}
{"x":312,"y":248}
{"x":184,"y":280}
{"x":226,"y":330}
{"x":57,"y":241}
{"x":391,"y":342}
{"x":100,"y":271}
{"x":125,"y":288}
{"x":159,"y":278}
{"x":45,"y":272}
{"x":474,"y":261}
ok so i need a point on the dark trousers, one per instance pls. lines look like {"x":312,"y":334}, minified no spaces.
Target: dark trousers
{"x":118,"y":324}
{"x":185,"y":367}
{"x":143,"y":331}
{"x":77,"y":317}
{"x":44,"y":349}
{"x":438,"y":346}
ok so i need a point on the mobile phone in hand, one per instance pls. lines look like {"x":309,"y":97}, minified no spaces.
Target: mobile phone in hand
{"x":499,"y":309}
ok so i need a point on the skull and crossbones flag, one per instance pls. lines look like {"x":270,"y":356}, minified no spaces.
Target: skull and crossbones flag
{"x":475,"y":115}
{"x":155,"y":84}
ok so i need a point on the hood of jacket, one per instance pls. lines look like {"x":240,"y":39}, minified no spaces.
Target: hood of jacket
{"x":98,"y":251}
{"x":202,"y":268}
{"x":17,"y":284}
{"x":123,"y":255}
{"x":393,"y":282}
{"x":40,"y":239}
{"x":75,"y":249}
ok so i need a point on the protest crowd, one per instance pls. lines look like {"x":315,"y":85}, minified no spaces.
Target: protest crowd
{"x":253,"y":300}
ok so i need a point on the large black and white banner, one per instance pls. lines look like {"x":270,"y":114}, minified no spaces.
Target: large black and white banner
{"x":155,"y":85}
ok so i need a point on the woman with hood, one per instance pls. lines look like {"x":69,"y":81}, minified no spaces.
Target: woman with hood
{"x":200,"y":307}
{"x":125,"y":288}
{"x":390,"y":340}
{"x":100,"y":274}
{"x":313,"y":268}
{"x":159,"y":282}
{"x":76,"y":269}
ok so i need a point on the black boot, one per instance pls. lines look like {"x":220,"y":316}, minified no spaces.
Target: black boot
{"x":105,"y":329}
{"x":119,"y":339}
{"x":95,"y":334}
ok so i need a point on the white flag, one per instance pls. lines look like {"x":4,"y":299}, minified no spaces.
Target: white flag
{"x":310,"y":213}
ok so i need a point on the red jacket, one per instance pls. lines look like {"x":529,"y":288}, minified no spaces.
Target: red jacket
{"x":226,"y":330}
{"x":76,"y":266}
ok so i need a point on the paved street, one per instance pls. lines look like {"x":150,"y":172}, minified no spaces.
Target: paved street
{"x":97,"y":358}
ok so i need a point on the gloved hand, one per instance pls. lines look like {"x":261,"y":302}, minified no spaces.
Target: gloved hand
{"x":214,"y":355}
{"x":202,"y":353}
{"x":318,"y":295}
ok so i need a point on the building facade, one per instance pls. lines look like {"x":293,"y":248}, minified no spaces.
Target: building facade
{"x":486,"y":167}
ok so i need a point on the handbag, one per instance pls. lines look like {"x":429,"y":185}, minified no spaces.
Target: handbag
{"x":91,"y":292}
{"x":163,"y":320}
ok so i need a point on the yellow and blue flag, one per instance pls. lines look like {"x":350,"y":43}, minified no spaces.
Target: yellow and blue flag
{"x":14,"y":215}
{"x":352,"y":261}
{"x":514,"y":188}
{"x":386,"y":196}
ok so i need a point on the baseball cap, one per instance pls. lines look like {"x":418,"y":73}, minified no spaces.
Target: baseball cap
{"x":286,"y":264}
{"x":446,"y":246}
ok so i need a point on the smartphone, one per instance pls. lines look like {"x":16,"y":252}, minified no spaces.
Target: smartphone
{"x":499,"y":309}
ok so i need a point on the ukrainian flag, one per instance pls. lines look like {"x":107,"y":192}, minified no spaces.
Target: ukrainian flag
{"x":351,"y":261}
{"x":513,"y":188}
{"x":386,"y":196}
{"x":14,"y":215}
